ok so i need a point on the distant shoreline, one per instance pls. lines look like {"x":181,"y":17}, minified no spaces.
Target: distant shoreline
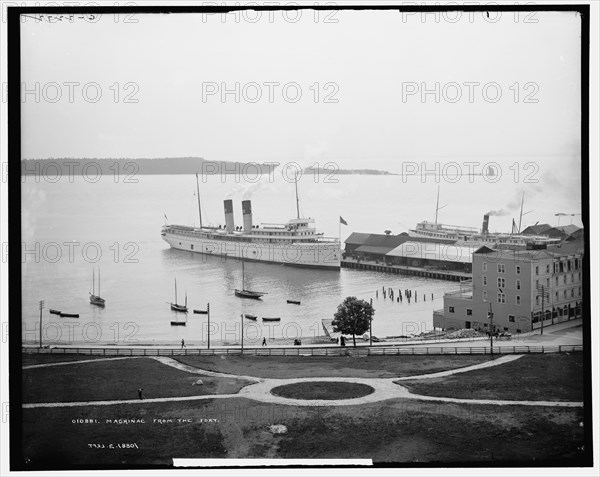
{"x":166,"y":166}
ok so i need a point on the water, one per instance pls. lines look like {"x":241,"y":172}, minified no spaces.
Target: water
{"x":115,"y":227}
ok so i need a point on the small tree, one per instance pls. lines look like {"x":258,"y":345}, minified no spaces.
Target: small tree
{"x":353,"y":317}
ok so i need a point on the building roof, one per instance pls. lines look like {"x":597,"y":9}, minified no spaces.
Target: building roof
{"x":568,"y":229}
{"x":357,"y":238}
{"x":433,"y":251}
{"x":554,"y":251}
{"x":536,"y":229}
{"x":390,"y":241}
{"x":380,"y":250}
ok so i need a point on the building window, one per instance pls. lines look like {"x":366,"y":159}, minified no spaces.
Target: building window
{"x":548,"y":268}
{"x":485,"y":266}
{"x":501,"y":283}
{"x":451,"y":309}
{"x":537,"y":284}
{"x":564,"y":293}
{"x":572,"y":292}
{"x":501,"y":297}
{"x":500,"y":268}
{"x":572,"y":278}
{"x":564,"y":280}
{"x":469,"y":312}
{"x":537,"y":300}
{"x":511,"y":318}
{"x":556,"y":296}
{"x":576,"y":264}
{"x":547,"y":282}
{"x":518,"y":284}
{"x":556,"y":281}
{"x":518,"y":299}
{"x":485,"y":296}
{"x":485,"y":280}
{"x":537,"y":270}
{"x":518,"y":270}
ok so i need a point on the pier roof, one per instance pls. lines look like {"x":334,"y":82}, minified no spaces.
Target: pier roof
{"x":433,"y":251}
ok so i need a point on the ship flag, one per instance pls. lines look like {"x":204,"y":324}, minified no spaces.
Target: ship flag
{"x":342,"y":221}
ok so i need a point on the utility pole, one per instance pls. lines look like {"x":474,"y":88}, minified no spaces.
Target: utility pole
{"x":371,"y":326}
{"x":242,"y":317}
{"x":491,"y":318}
{"x":41,"y":308}
{"x":208,"y":314}
{"x":541,"y":291}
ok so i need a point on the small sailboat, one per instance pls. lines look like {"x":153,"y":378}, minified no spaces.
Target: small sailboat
{"x":96,"y":299}
{"x":243,"y":293}
{"x":175,"y":306}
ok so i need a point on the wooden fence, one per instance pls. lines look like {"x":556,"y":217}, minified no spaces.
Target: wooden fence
{"x":306,"y":351}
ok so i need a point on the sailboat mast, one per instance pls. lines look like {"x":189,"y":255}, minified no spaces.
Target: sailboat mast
{"x":297,"y":200}
{"x":521,"y":216}
{"x":93,"y":282}
{"x":437,"y":205}
{"x":198,"y":194}
{"x":176,"y":291}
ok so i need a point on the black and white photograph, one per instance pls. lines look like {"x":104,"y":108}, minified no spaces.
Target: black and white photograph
{"x":327,"y":237}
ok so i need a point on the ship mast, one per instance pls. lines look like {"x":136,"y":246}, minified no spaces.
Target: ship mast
{"x":297,"y":200}
{"x":521,"y":216}
{"x":437,"y":205}
{"x":198,"y":194}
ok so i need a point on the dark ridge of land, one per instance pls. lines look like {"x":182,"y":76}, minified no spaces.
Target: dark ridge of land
{"x":539,"y":377}
{"x":132,"y":167}
{"x":173,"y":165}
{"x":333,"y":172}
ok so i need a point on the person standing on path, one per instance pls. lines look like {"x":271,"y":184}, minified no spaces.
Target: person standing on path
{"x":141,"y":393}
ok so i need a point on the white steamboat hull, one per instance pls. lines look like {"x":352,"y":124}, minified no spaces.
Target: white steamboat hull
{"x":325,"y":255}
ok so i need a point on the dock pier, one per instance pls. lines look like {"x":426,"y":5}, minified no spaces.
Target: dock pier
{"x":453,"y":275}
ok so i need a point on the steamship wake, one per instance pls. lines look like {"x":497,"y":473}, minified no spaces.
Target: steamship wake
{"x":295,"y":243}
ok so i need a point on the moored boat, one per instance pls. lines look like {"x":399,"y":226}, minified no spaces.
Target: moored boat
{"x":175,"y":306}
{"x":69,"y":315}
{"x":293,"y":302}
{"x":251,"y":317}
{"x":271,"y":319}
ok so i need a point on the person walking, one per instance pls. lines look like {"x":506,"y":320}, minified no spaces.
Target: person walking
{"x":264,"y":341}
{"x":182,"y":344}
{"x":141,"y":393}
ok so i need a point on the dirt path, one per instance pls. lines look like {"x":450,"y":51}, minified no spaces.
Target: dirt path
{"x":384,"y":389}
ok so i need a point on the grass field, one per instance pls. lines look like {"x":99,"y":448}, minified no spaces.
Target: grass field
{"x":118,"y":379}
{"x":317,"y":366}
{"x":322,"y":390}
{"x":394,"y":431}
{"x":551,"y":377}
{"x":398,"y":430}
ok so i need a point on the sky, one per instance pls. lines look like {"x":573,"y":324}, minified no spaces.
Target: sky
{"x":341,"y":87}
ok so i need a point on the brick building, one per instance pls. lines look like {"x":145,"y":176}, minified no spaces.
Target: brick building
{"x":520,"y":287}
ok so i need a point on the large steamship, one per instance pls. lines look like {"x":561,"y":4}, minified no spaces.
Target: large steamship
{"x":295,"y":243}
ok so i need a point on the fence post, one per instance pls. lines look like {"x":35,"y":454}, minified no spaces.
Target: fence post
{"x":455,"y":350}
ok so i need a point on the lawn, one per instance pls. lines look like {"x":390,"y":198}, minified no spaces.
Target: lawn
{"x":317,"y":366}
{"x":402,"y":431}
{"x":118,"y":379}
{"x":46,"y":358}
{"x":549,"y":377}
{"x":322,"y":390}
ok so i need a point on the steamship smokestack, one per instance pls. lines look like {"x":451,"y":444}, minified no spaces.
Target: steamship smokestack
{"x":229,"y":225}
{"x":485,"y":226}
{"x":247,"y":214}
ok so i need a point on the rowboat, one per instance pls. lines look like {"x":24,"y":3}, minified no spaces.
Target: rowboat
{"x":271,"y":319}
{"x":69,"y":315}
{"x":54,"y":312}
{"x":293,"y":302}
{"x":201,"y":312}
{"x":251,"y":317}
